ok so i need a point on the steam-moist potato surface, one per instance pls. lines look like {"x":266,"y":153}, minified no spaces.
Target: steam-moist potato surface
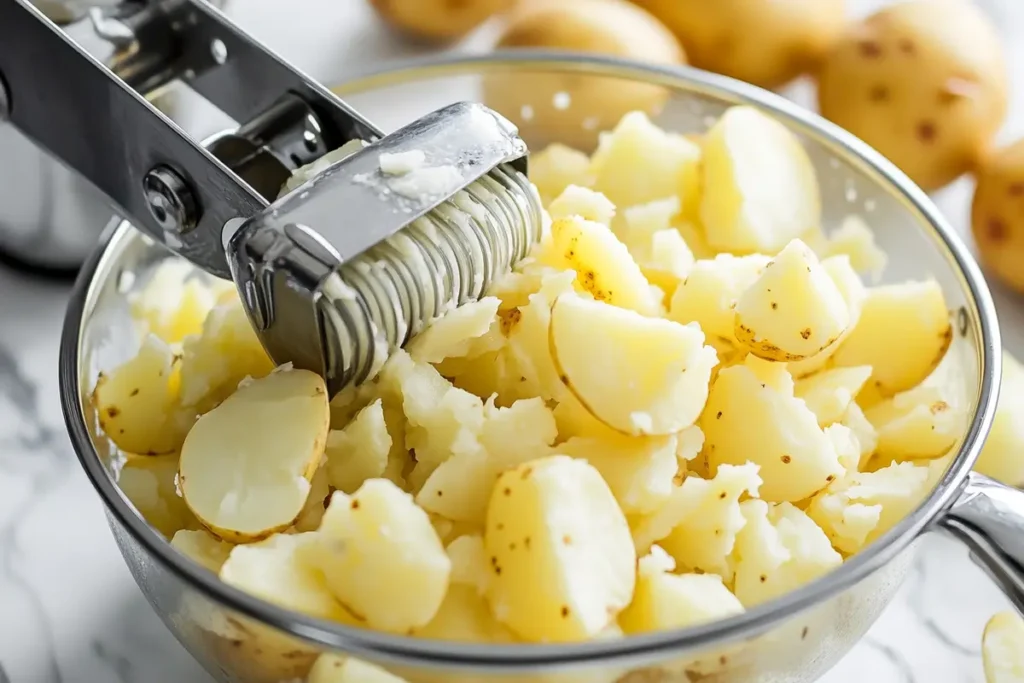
{"x":610,"y":442}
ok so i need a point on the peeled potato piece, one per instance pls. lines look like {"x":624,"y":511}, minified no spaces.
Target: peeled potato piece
{"x":137,"y":403}
{"x":924,"y":422}
{"x":1002,"y":456}
{"x":903,"y":332}
{"x":360,"y":450}
{"x":245,"y":466}
{"x":1002,"y":648}
{"x":829,"y":393}
{"x":555,"y":168}
{"x":149,"y":483}
{"x":173,"y":304}
{"x":562,"y":556}
{"x":760,"y":190}
{"x":793,"y":310}
{"x":203,"y":548}
{"x":600,"y":349}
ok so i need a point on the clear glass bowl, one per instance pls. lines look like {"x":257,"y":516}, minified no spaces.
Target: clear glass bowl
{"x":567,"y":98}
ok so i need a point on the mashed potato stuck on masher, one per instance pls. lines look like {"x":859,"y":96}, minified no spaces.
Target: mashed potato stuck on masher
{"x":676,"y":408}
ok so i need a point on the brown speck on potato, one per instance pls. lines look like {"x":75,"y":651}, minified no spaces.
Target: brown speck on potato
{"x":567,"y":540}
{"x":294,"y":654}
{"x":938,"y":407}
{"x":499,"y":526}
{"x":509,"y":319}
{"x":805,"y":333}
{"x":235,"y":643}
{"x":564,"y":379}
{"x":718,"y":532}
{"x":996,"y":230}
{"x":763,"y":578}
{"x":113,"y":411}
{"x":527,"y":471}
{"x":494,"y":561}
{"x":506,"y":491}
{"x":1015,"y":189}
{"x":786,"y":460}
{"x":722,"y":660}
{"x":803,"y":634}
{"x":355,"y":504}
{"x":497,"y":571}
{"x":830,"y":478}
{"x":718,"y":416}
{"x":526,"y":542}
{"x":869,"y":49}
{"x":722,"y":495}
{"x":121,"y":431}
{"x":926,"y":131}
{"x":764,"y":386}
{"x":677,"y":480}
{"x":565,"y":611}
{"x":512,"y":545}
{"x":319,"y":391}
{"x":907,"y":46}
{"x":440,"y":493}
{"x":878,"y":93}
{"x":134,"y":392}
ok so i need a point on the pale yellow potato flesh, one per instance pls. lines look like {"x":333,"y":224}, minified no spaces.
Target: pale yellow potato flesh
{"x":1002,"y":456}
{"x":245,"y":466}
{"x":360,"y":450}
{"x":149,"y":482}
{"x":665,"y":366}
{"x":829,"y":393}
{"x":1002,"y":648}
{"x":203,"y":548}
{"x":330,"y":668}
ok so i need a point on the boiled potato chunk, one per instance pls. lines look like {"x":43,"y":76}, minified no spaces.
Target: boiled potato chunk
{"x":793,"y":310}
{"x":747,"y":419}
{"x":583,"y":202}
{"x":451,"y":335}
{"x":561,"y":552}
{"x":360,"y":450}
{"x":438,"y":20}
{"x":1002,"y":648}
{"x":1002,"y":456}
{"x":829,"y":393}
{"x":779,"y":549}
{"x":855,"y":240}
{"x":203,"y":548}
{"x":863,"y":505}
{"x":710,"y":291}
{"x":656,"y":244}
{"x":923,"y":82}
{"x":903,"y":332}
{"x":174,"y":303}
{"x":759,"y":41}
{"x":604,"y":267}
{"x":226,"y":352}
{"x":867,"y":438}
{"x":663,"y":600}
{"x":137,"y":403}
{"x":465,"y":617}
{"x":381,"y":557}
{"x":316,"y":502}
{"x":276,"y":571}
{"x":555,"y":168}
{"x":600,"y":349}
{"x":760,"y":190}
{"x":530,"y":340}
{"x":924,"y":422}
{"x":149,"y":483}
{"x":639,"y":470}
{"x":245,"y":466}
{"x":639,"y":163}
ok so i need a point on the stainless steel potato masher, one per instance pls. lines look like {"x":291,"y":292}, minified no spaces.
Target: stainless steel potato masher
{"x":348,"y":265}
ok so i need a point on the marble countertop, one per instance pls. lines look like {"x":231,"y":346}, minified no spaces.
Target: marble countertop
{"x":69,"y":610}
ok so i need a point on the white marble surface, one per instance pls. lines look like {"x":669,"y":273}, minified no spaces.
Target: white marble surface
{"x":69,"y":610}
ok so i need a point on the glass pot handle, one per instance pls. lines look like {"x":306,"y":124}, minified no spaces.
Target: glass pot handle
{"x":989,"y":519}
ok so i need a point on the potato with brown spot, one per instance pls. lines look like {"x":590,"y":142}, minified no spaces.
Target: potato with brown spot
{"x":438,"y":20}
{"x":923,"y":82}
{"x":764,"y":42}
{"x":572,"y":109}
{"x":997,"y":215}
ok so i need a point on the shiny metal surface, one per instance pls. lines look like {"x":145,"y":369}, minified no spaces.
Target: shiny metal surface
{"x":170,"y":200}
{"x":793,"y":639}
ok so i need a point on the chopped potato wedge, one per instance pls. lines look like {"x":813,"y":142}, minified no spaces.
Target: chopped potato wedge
{"x":530,"y":340}
{"x":470,"y":566}
{"x":451,"y":335}
{"x":657,"y":246}
{"x":867,"y":438}
{"x":663,"y":600}
{"x":1002,"y":648}
{"x":924,"y":422}
{"x":150,"y":484}
{"x":747,"y":419}
{"x":779,"y":549}
{"x":360,"y":450}
{"x":561,"y":552}
{"x":245,"y":466}
{"x":203,"y":548}
{"x":855,"y":240}
{"x":793,"y":310}
{"x":638,"y":163}
{"x":1002,"y":456}
{"x":903,"y":333}
{"x":465,"y":617}
{"x":137,"y":405}
{"x":316,"y":502}
{"x":710,"y":291}
{"x":381,"y":557}
{"x":863,"y":505}
{"x":760,"y":190}
{"x":555,"y":168}
{"x":830,"y":392}
{"x":582,"y":202}
{"x":604,"y":267}
{"x":338,"y":669}
{"x":639,"y":470}
{"x":665,"y":365}
{"x":276,"y":571}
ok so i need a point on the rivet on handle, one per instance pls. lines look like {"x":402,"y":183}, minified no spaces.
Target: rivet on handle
{"x":170,"y":200}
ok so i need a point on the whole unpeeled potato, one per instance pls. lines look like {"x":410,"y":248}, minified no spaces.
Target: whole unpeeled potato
{"x":923,"y":82}
{"x":438,"y":19}
{"x":573,"y":108}
{"x":997,"y":214}
{"x":764,"y":42}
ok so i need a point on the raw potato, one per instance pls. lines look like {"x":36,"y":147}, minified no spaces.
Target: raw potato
{"x":760,"y":190}
{"x":1002,"y":456}
{"x":245,"y":466}
{"x":598,"y":348}
{"x":747,"y":418}
{"x":903,"y":332}
{"x":829,"y":393}
{"x":764,"y":42}
{"x":149,"y":483}
{"x":381,"y":557}
{"x":572,"y":109}
{"x":793,"y":310}
{"x":663,"y":600}
{"x":562,"y":556}
{"x":137,"y":402}
{"x":203,"y":548}
{"x":923,"y":82}
{"x":438,"y":19}
{"x":997,"y":214}
{"x":1002,"y":648}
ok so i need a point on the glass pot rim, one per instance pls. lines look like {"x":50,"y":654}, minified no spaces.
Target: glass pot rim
{"x":632,"y":650}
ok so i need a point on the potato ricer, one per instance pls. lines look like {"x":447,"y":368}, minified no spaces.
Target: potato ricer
{"x":388,"y":232}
